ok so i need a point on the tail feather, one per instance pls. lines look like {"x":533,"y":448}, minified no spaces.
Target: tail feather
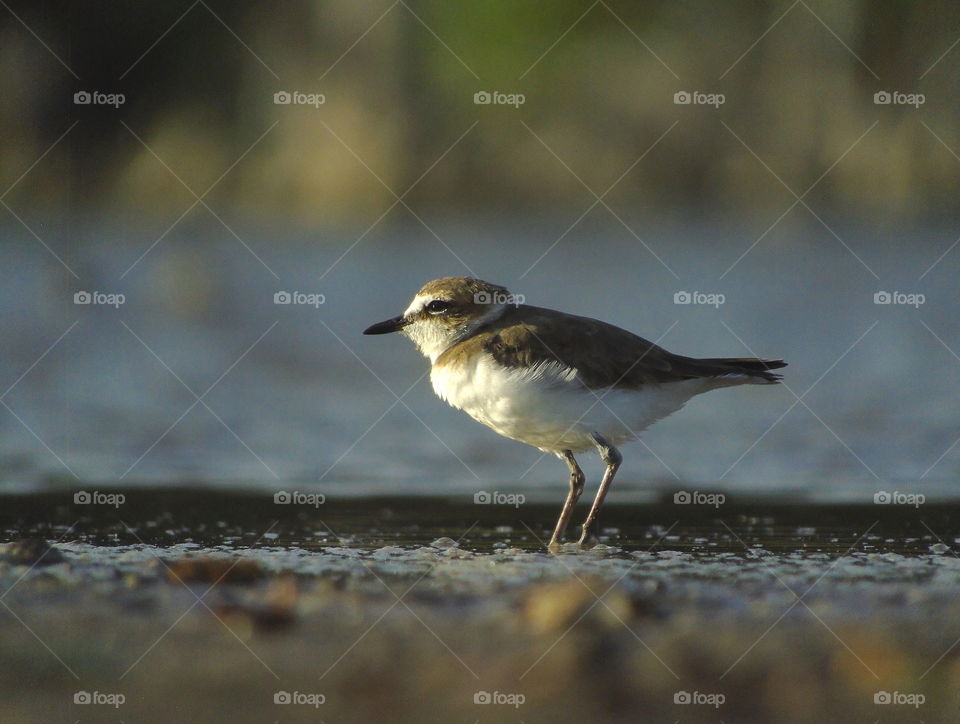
{"x":750,"y":366}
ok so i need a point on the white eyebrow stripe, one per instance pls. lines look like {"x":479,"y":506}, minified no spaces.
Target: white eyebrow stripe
{"x":418,"y":303}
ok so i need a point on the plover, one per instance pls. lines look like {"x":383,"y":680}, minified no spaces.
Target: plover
{"x":561,"y":383}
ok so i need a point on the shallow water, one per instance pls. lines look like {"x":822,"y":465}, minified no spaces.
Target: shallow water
{"x":192,"y":519}
{"x":703,"y":560}
{"x":313,"y":404}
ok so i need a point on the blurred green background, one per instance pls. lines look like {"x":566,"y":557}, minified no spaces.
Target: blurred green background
{"x":399,"y":78}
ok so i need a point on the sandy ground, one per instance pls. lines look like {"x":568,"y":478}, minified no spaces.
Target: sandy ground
{"x":764,"y":613}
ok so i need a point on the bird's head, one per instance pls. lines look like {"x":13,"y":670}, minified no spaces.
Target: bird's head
{"x":446,"y":311}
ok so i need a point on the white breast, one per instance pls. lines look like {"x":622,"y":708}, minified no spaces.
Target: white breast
{"x":548,"y":406}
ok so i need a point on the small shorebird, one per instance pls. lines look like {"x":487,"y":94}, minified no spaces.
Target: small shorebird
{"x":561,"y":383}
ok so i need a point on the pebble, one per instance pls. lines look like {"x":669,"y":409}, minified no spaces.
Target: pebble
{"x":31,"y":552}
{"x":388,"y":552}
{"x":554,"y":607}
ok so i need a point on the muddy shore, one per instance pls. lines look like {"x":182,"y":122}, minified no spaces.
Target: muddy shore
{"x":181,"y":605}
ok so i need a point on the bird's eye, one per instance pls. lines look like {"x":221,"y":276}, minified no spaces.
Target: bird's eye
{"x":438,"y":306}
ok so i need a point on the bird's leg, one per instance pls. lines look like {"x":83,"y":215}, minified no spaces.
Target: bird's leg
{"x":612,"y":458}
{"x":576,"y":487}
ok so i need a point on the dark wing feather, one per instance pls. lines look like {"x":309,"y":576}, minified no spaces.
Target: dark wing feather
{"x":603,"y":355}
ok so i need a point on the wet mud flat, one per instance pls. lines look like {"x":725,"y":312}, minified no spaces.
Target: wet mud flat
{"x":184,"y":605}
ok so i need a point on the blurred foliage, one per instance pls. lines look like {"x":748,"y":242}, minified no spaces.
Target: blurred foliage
{"x":399,"y":81}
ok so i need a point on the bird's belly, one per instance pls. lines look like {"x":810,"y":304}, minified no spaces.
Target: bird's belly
{"x":554,"y":414}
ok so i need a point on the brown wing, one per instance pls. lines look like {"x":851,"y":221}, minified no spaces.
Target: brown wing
{"x":602,"y":354}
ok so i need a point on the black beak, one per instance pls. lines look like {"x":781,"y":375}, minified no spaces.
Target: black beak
{"x":391,"y":325}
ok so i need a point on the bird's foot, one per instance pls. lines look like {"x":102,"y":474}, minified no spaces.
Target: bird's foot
{"x":588,"y":538}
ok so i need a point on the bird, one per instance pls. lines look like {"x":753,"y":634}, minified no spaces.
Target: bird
{"x":562,"y":383}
